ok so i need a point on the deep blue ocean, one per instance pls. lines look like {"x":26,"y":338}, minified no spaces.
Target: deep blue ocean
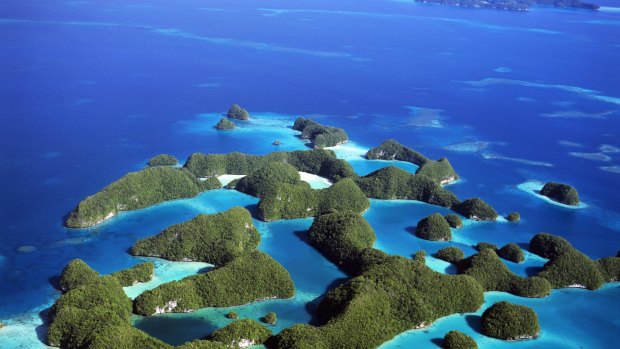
{"x":90,"y":90}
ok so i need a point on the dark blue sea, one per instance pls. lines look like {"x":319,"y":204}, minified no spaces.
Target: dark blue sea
{"x":90,"y":90}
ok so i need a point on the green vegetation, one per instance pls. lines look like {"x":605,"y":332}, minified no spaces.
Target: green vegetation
{"x":232,"y":315}
{"x":393,"y":150}
{"x":440,"y":171}
{"x":434,"y":228}
{"x":137,"y":190}
{"x":392,"y":297}
{"x":142,"y":272}
{"x":236,"y":112}
{"x":386,"y":296}
{"x":486,"y":267}
{"x":216,"y":239}
{"x":225,"y":124}
{"x":252,"y":276}
{"x":573,"y":269}
{"x":511,"y":252}
{"x":391,"y":183}
{"x":320,"y":136}
{"x":508,"y":321}
{"x":341,"y":237}
{"x":567,"y":267}
{"x":454,"y":220}
{"x":321,"y":162}
{"x":78,"y":315}
{"x":202,"y":344}
{"x":267,"y":177}
{"x":300,"y":336}
{"x":562,"y":193}
{"x":420,"y":256}
{"x":240,"y":333}
{"x":127,"y":337}
{"x":458,"y":340}
{"x":476,"y":209}
{"x":286,"y":201}
{"x":163,"y":160}
{"x":75,"y":274}
{"x":270,"y":318}
{"x":345,"y":195}
{"x":513,"y":217}
{"x":96,"y":315}
{"x":610,"y":268}
{"x":549,"y":246}
{"x":484,"y":245}
{"x":450,"y":254}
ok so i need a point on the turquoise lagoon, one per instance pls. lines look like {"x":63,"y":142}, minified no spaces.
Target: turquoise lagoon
{"x":136,"y":81}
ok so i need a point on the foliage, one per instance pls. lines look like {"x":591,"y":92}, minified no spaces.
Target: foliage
{"x":137,"y":190}
{"x":511,"y":252}
{"x":391,"y":183}
{"x":610,"y":268}
{"x":236,"y":112}
{"x":476,"y":209}
{"x":78,"y":314}
{"x":508,"y":321}
{"x":440,"y":171}
{"x":142,"y":272}
{"x":75,"y":274}
{"x":386,"y":296}
{"x":225,"y":124}
{"x":573,"y":269}
{"x":127,"y":337}
{"x":434,"y":228}
{"x":202,"y":344}
{"x":390,"y":298}
{"x":454,"y":220}
{"x":320,"y":162}
{"x":549,"y":246}
{"x":270,"y":318}
{"x":236,"y":332}
{"x":250,"y":277}
{"x":450,"y":254}
{"x":483,"y":245}
{"x":267,"y":177}
{"x":562,"y":193}
{"x":393,"y":150}
{"x":76,"y":328}
{"x":486,"y":267}
{"x":320,"y":136}
{"x":232,"y":315}
{"x":341,"y":236}
{"x":297,"y":201}
{"x":513,"y":217}
{"x":458,"y":340}
{"x":215,"y":239}
{"x":300,"y":336}
{"x":420,"y":256}
{"x":163,"y":160}
{"x":287,"y":201}
{"x":344,"y":195}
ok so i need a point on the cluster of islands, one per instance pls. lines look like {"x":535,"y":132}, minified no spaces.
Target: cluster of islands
{"x":384,"y":295}
{"x":513,"y":5}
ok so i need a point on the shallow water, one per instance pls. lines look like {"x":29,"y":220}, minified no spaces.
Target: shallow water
{"x":92,"y":90}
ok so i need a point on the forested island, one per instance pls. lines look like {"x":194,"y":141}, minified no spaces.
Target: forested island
{"x":440,"y":171}
{"x":560,"y":192}
{"x":319,"y":135}
{"x":384,"y":295}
